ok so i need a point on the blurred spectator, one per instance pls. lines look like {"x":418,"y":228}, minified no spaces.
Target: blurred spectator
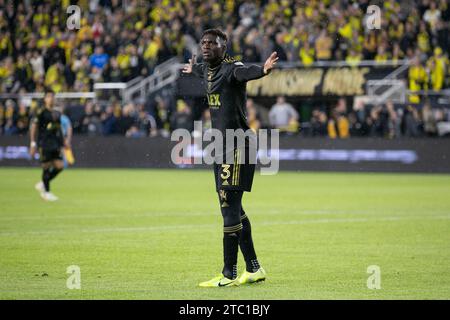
{"x":182,"y":118}
{"x":162,"y":116}
{"x":283,"y":116}
{"x":99,"y":59}
{"x":356,"y":127}
{"x":394,"y":121}
{"x":37,"y":64}
{"x":54,"y":77}
{"x":377,"y":122}
{"x":382,"y":55}
{"x":306,"y":54}
{"x":429,"y":120}
{"x":353,"y":58}
{"x":248,"y":12}
{"x":411,"y":122}
{"x":249,"y":50}
{"x":432,"y":15}
{"x":252,"y":118}
{"x":397,"y":53}
{"x":10,"y":127}
{"x":418,"y":79}
{"x":323,"y":46}
{"x":145,"y":123}
{"x":90,"y":121}
{"x":261,"y":113}
{"x":134,"y":132}
{"x":22,"y":119}
{"x":125,"y":120}
{"x":384,"y":121}
{"x":109,"y":121}
{"x":338,"y":124}
{"x":137,"y":64}
{"x":437,"y":65}
{"x":319,"y":123}
{"x":112,"y":72}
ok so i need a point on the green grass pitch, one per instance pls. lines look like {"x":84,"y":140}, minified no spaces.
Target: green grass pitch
{"x":155,"y":234}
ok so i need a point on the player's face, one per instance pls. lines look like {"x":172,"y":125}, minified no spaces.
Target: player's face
{"x":212,"y":47}
{"x":48,"y":99}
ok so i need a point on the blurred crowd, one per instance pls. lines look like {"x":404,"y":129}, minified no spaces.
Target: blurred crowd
{"x":339,"y":120}
{"x":92,"y":119}
{"x":333,"y":120}
{"x":120,"y":40}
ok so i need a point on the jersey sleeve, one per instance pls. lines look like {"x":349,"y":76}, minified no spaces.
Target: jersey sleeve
{"x":243,"y":73}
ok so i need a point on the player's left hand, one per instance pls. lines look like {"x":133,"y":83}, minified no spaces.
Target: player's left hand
{"x":270,"y":62}
{"x":32,"y":151}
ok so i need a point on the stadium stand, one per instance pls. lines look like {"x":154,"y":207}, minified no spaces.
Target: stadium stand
{"x":119,"y":41}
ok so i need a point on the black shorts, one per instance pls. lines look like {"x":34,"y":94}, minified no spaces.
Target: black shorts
{"x":47,"y":155}
{"x":234,"y":176}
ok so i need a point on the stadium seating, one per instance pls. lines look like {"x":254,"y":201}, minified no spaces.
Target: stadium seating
{"x":121,"y":40}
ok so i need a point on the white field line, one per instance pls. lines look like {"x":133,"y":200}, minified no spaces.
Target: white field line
{"x":196,"y":227}
{"x":163,"y":214}
{"x":177,"y":214}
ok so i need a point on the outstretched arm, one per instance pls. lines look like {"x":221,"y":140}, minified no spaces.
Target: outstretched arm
{"x":252,"y":72}
{"x":194,"y":68}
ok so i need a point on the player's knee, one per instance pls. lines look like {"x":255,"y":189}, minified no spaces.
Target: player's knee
{"x":46,"y":165}
{"x":230,"y":219}
{"x":59,"y":165}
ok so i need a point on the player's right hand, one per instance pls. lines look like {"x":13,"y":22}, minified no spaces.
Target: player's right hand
{"x":188,"y":66}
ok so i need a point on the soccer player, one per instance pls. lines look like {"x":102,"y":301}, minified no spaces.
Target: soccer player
{"x":46,"y":136}
{"x":225,"y":87}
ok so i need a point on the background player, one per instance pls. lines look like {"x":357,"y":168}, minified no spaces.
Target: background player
{"x":46,"y":136}
{"x":226,"y":92}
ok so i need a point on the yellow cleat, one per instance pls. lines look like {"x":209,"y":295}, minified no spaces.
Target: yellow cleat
{"x":248,"y":277}
{"x":219,"y":281}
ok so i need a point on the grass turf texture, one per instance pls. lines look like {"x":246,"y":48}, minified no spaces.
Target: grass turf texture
{"x":150,"y":234}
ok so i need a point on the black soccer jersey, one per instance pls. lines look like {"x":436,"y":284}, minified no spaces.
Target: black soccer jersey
{"x":50,"y":136}
{"x":225,"y":87}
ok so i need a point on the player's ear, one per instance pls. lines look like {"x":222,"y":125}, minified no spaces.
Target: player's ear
{"x":224,"y":50}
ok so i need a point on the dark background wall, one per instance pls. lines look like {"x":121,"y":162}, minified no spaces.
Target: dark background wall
{"x":296,"y":153}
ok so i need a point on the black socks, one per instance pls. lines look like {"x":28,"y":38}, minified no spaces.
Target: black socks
{"x":237,"y":233}
{"x":246,"y":245}
{"x":47,"y":175}
{"x":230,"y":254}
